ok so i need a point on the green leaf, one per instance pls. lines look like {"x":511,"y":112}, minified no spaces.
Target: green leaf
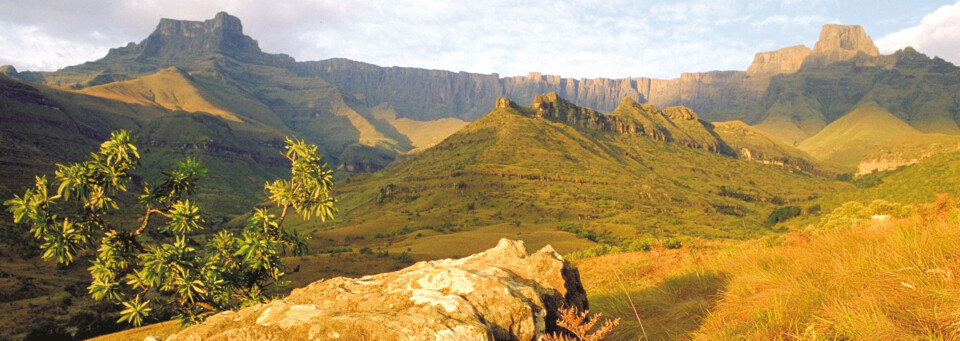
{"x":135,"y":311}
{"x":185,"y":217}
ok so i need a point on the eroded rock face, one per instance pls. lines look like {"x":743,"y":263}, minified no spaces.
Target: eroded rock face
{"x":850,"y":38}
{"x":501,"y":293}
{"x":785,"y":60}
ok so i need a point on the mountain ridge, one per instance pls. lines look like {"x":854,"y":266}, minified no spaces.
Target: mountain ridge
{"x":440,"y":94}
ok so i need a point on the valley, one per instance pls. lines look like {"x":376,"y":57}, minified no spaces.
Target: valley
{"x":705,"y":191}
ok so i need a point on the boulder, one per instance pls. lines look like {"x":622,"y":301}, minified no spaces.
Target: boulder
{"x":501,"y":293}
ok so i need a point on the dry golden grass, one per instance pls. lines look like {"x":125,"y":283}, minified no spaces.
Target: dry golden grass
{"x":168,"y":88}
{"x":883,"y":281}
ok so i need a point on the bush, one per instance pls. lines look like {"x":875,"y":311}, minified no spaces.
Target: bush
{"x":135,"y":272}
{"x":639,"y":245}
{"x":672,"y":243}
{"x":853,"y":214}
{"x":579,"y":231}
{"x":782,"y":214}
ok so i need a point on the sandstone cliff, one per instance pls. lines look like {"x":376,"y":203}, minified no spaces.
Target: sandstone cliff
{"x":499,"y":294}
{"x":785,"y":60}
{"x":844,"y":41}
{"x":431,"y":94}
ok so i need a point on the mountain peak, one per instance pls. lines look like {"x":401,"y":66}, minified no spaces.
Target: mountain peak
{"x":845,"y":40}
{"x":8,"y":70}
{"x":222,"y":21}
{"x":174,"y":41}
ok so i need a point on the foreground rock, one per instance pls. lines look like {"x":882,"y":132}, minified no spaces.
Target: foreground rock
{"x":501,"y":293}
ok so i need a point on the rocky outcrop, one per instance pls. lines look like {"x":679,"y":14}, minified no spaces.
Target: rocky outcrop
{"x":499,"y":294}
{"x":554,"y":108}
{"x":785,"y":60}
{"x":600,"y":94}
{"x":674,"y":124}
{"x":752,"y":144}
{"x":182,"y":39}
{"x":845,"y":39}
{"x":839,"y":43}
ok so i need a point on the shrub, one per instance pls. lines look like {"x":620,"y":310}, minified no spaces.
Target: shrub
{"x":135,"y":272}
{"x":853,"y":214}
{"x":782,"y":214}
{"x":579,"y":231}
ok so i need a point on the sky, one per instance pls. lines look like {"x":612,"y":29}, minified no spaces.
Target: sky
{"x":578,"y":39}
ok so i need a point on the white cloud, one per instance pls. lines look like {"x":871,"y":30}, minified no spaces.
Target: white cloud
{"x":29,"y":48}
{"x":938,"y":34}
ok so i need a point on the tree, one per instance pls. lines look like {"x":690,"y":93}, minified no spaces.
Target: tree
{"x":130,"y":269}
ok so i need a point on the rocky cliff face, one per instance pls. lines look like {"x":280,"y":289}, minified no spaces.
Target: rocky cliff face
{"x":419,"y":94}
{"x":840,"y":43}
{"x":716,"y":95}
{"x":499,"y":294}
{"x":846,"y":40}
{"x":181,"y":39}
{"x":431,"y":94}
{"x":785,"y":60}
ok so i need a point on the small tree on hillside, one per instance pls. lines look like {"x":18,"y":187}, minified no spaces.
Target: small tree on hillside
{"x":232,"y":269}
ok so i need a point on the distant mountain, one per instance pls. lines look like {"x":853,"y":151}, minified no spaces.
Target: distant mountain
{"x":211,"y":67}
{"x":791,"y":93}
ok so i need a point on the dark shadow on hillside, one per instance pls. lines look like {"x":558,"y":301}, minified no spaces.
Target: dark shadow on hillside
{"x":671,"y":310}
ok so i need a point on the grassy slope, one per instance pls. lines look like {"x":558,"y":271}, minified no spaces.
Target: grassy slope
{"x":917,"y":183}
{"x":513,"y":175}
{"x":846,"y":140}
{"x":907,"y":149}
{"x":880,"y":281}
{"x":912,"y":87}
{"x":752,"y":143}
{"x":169,"y":88}
{"x":422,"y":134}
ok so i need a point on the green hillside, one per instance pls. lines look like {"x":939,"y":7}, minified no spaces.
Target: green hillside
{"x":169,"y":88}
{"x":751,"y":143}
{"x":906,"y":149}
{"x":512,"y":173}
{"x":912,"y":87}
{"x":846,"y":140}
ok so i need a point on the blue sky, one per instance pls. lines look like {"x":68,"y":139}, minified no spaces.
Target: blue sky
{"x":611,"y":38}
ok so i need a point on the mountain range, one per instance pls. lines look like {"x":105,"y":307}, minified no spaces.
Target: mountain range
{"x":429,"y":161}
{"x":364,"y":115}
